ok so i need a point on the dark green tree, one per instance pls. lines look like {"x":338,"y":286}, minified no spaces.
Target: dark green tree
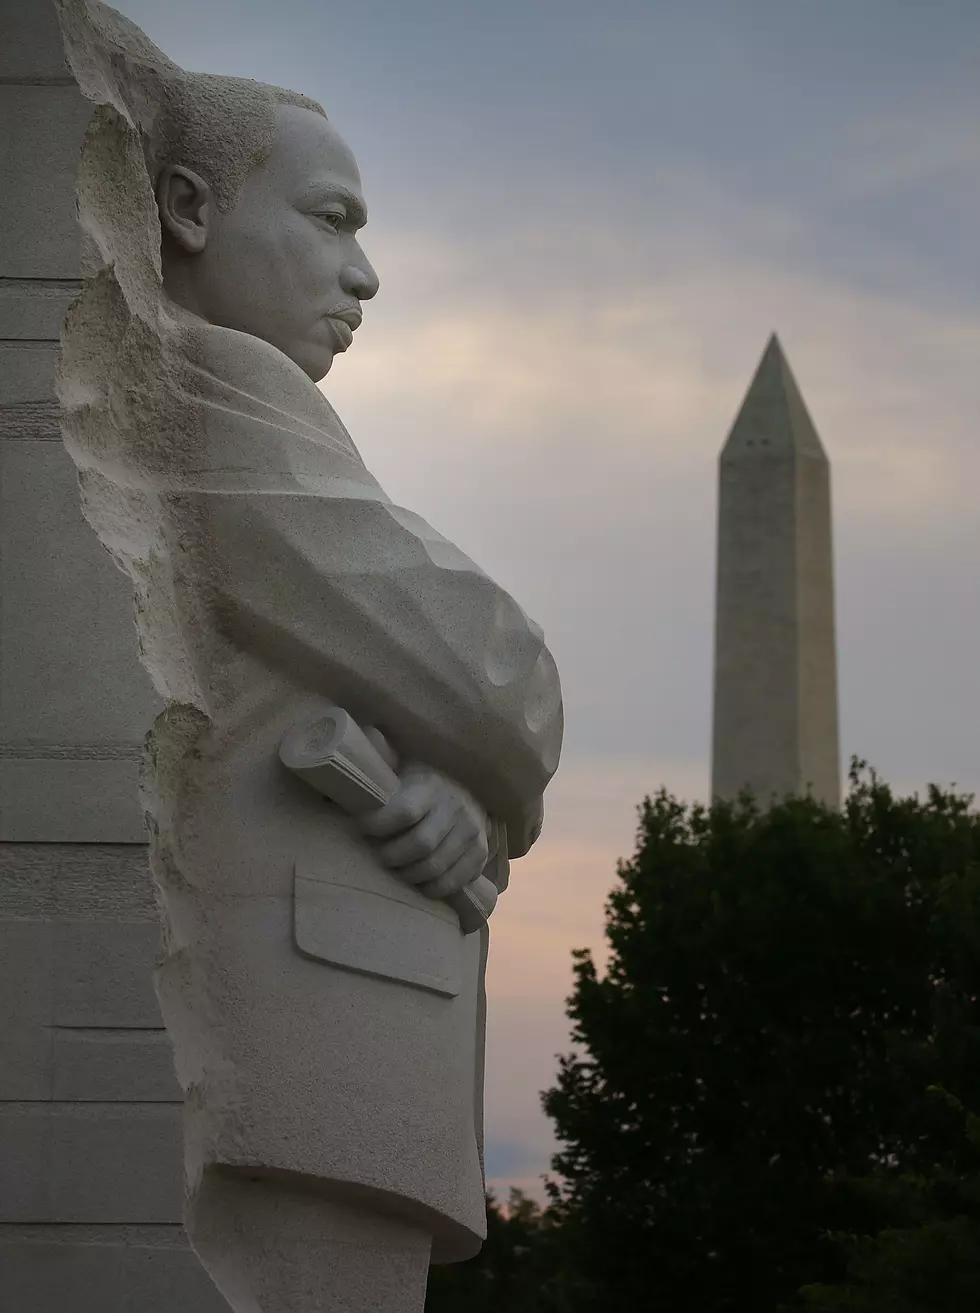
{"x":926,"y":1258}
{"x":781,"y":988}
{"x":512,"y":1272}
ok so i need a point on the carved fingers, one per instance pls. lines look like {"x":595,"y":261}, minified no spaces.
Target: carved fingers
{"x":432,"y":833}
{"x":467,"y":868}
{"x":419,"y":793}
{"x":381,"y":746}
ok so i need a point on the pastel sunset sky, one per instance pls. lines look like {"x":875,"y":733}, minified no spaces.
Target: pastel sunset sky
{"x":587,"y":219}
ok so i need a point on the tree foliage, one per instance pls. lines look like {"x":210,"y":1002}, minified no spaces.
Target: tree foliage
{"x":781,"y":988}
{"x":510,"y":1273}
{"x":927,"y":1255}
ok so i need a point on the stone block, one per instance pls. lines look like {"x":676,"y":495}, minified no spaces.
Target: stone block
{"x":169,"y":1279}
{"x":35,"y":309}
{"x":30,"y":43}
{"x":117,"y":1162}
{"x":25,"y":1163}
{"x":55,"y":576}
{"x":38,"y":164}
{"x":131,"y":1269}
{"x":95,"y":1162}
{"x":55,"y":801}
{"x":25,"y":1059}
{"x":27,"y":371}
{"x":56,"y":1278}
{"x":62,"y":1276}
{"x":102,"y":974}
{"x":112,"y":1066}
{"x":25,"y":988}
{"x":76,"y":882}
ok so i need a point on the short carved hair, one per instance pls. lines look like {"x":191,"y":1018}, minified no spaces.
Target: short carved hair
{"x":221,"y":127}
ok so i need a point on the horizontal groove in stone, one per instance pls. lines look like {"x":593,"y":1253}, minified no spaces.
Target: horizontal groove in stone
{"x":114,"y":1032}
{"x":65,"y":800}
{"x":38,"y":80}
{"x":40,"y":285}
{"x":31,"y":421}
{"x":71,"y":751}
{"x":18,"y":1105}
{"x":75,"y":881}
{"x":150,"y":1234}
{"x":94,"y":1110}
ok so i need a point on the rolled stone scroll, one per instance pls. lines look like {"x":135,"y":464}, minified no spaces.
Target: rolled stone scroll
{"x":333,"y":755}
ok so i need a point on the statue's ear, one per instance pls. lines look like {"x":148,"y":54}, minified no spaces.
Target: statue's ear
{"x":185,"y":203}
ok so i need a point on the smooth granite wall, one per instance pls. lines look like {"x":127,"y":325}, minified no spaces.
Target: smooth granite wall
{"x":90,"y":1155}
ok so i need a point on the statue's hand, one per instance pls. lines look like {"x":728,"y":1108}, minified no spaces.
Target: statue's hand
{"x":432,"y":833}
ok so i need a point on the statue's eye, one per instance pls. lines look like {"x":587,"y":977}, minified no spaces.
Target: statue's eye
{"x":331,"y":221}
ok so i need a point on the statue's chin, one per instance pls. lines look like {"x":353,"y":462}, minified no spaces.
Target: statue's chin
{"x":314,"y":357}
{"x":321,"y":371}
{"x":315,"y":362}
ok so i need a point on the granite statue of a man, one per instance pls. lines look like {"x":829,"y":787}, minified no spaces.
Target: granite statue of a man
{"x":326,"y":1010}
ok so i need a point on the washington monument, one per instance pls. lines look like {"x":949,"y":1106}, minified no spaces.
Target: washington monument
{"x":775,"y":696}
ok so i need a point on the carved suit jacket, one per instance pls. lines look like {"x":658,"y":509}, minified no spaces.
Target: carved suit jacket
{"x":273,"y":576}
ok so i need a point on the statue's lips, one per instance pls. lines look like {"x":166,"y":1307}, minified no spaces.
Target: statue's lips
{"x":343,"y":332}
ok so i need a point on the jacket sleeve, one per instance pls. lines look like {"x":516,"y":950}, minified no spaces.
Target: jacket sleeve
{"x":364,"y":603}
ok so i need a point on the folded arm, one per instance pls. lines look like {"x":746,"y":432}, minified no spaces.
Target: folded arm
{"x":365,"y":603}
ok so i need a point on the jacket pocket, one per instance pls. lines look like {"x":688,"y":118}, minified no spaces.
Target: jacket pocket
{"x":388,"y":931}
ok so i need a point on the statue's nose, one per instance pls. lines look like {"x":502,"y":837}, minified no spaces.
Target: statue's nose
{"x":360,"y":280}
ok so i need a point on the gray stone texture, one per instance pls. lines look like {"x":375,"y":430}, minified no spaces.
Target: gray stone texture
{"x":37,"y":157}
{"x":31,"y":52}
{"x":90,"y":1162}
{"x":74,"y":700}
{"x":775,"y":710}
{"x":131,"y":1268}
{"x":33,"y":310}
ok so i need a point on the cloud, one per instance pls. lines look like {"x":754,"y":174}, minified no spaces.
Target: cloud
{"x":913,"y":146}
{"x":556,"y":401}
{"x":563,"y":425}
{"x":642,"y":373}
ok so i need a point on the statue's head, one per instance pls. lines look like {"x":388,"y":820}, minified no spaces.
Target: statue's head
{"x":260,"y":207}
{"x":259,"y":199}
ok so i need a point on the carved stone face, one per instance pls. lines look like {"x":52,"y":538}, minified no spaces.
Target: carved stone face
{"x":285,"y":263}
